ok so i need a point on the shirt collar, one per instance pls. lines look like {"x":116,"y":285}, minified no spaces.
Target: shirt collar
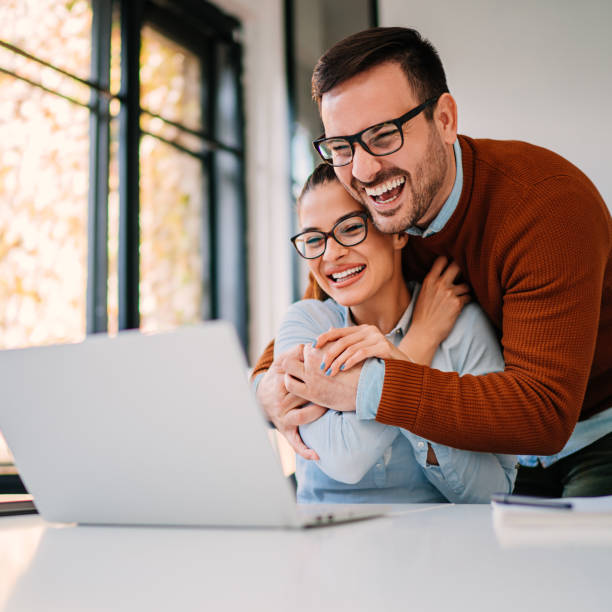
{"x":451,"y":203}
{"x":401,"y":327}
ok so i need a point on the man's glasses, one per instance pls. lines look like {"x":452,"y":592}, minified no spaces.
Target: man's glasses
{"x":347,"y":231}
{"x":380,"y":139}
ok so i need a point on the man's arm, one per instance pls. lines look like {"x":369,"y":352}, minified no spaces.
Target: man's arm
{"x":467,"y":476}
{"x":552,"y":269}
{"x":552,"y":265}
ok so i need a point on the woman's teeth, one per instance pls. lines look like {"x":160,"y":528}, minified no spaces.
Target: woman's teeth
{"x":338,"y":276}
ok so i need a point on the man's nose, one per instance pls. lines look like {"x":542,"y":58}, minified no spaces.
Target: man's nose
{"x":365,"y":166}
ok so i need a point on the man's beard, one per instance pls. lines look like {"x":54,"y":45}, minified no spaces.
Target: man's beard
{"x":421,"y":187}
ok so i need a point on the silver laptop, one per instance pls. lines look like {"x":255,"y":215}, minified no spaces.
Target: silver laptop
{"x":155,"y":429}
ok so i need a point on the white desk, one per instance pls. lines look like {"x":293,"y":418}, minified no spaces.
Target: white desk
{"x":445,"y":558}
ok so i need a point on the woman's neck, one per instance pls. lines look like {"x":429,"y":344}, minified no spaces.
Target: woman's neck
{"x":385,"y":308}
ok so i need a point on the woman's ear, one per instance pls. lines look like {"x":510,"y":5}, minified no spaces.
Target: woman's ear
{"x":400,"y":240}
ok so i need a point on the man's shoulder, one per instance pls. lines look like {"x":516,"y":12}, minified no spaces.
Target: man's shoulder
{"x":510,"y":178}
{"x":519,"y":162}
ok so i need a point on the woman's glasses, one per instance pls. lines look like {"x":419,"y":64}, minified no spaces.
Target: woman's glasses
{"x":347,"y":231}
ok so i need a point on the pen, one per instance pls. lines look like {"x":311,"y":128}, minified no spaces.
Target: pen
{"x":526,"y":500}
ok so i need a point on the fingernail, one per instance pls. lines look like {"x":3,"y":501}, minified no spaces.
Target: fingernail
{"x":322,"y":365}
{"x":342,"y":367}
{"x":328,"y":372}
{"x":314,"y":344}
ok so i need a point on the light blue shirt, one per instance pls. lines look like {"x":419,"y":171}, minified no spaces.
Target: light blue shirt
{"x":373,"y":373}
{"x":368,"y":462}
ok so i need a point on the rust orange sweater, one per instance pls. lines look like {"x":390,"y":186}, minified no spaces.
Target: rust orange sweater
{"x":533,"y":238}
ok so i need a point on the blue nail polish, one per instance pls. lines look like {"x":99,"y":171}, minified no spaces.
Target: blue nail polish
{"x":342,"y":367}
{"x":328,"y":372}
{"x":314,"y":344}
{"x":322,"y":365}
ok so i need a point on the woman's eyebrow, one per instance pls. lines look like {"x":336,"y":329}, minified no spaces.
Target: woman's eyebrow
{"x":309,"y":229}
{"x":342,"y":218}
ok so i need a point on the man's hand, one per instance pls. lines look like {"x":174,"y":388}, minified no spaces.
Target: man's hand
{"x":304,"y":378}
{"x":286,"y":410}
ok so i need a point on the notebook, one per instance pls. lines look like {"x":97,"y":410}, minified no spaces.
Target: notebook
{"x":149,"y":429}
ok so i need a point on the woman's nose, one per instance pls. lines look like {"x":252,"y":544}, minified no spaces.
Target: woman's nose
{"x":334,"y":250}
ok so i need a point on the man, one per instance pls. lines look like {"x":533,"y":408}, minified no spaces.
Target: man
{"x":531,"y":235}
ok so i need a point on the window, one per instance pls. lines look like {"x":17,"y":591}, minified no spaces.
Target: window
{"x":312,"y":27}
{"x":122,"y":183}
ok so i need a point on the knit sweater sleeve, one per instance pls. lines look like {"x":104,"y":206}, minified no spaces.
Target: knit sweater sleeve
{"x":550,"y":260}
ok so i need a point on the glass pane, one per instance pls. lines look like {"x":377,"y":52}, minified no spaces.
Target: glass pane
{"x":115,"y":59}
{"x":171,"y":133}
{"x":173,"y":289}
{"x":57,"y":31}
{"x":228,"y":127}
{"x":230,"y":265}
{"x":171,"y":80}
{"x":43,"y":217}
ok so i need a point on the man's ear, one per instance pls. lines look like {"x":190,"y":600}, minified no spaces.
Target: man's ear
{"x":445,"y":116}
{"x":400,"y":240}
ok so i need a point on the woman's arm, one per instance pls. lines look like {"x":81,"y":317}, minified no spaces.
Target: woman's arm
{"x":347,"y":447}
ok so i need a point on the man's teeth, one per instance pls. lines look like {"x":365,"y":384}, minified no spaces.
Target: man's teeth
{"x":386,"y":186}
{"x":337,"y":276}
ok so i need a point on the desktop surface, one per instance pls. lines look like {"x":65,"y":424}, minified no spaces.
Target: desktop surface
{"x":426,"y":558}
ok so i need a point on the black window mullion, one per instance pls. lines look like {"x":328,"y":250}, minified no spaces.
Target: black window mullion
{"x":243,"y":323}
{"x":99,"y":131}
{"x":210,"y":68}
{"x":129,"y":168}
{"x":230,"y":216}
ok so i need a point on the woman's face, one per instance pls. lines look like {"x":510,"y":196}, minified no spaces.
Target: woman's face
{"x":349,"y":275}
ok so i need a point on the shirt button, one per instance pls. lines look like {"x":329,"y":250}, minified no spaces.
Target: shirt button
{"x":421,"y":444}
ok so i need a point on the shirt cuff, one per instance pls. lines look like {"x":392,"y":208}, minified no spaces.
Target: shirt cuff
{"x":369,"y":389}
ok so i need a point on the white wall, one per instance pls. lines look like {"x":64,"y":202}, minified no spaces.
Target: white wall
{"x":539,"y":71}
{"x":267,"y":171}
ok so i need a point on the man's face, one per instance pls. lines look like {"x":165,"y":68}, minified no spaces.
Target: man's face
{"x":409,"y":186}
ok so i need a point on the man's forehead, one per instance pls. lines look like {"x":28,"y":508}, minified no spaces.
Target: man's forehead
{"x":373,"y":96}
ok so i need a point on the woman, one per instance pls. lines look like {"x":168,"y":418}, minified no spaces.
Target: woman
{"x":369,"y":308}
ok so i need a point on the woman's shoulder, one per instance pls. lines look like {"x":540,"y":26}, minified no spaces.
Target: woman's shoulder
{"x":471,"y":320}
{"x":327,"y":312}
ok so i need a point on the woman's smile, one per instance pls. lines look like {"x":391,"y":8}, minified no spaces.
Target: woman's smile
{"x":346,"y":274}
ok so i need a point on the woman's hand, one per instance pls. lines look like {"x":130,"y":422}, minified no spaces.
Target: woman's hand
{"x":439,"y":303}
{"x":349,"y":346}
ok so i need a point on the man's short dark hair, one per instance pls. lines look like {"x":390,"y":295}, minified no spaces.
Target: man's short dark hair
{"x":364,"y":50}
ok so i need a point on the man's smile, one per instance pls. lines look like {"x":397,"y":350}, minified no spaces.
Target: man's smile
{"x":386,"y":192}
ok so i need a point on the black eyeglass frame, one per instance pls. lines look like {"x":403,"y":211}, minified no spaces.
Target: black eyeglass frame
{"x":331,"y":234}
{"x":399,"y":122}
